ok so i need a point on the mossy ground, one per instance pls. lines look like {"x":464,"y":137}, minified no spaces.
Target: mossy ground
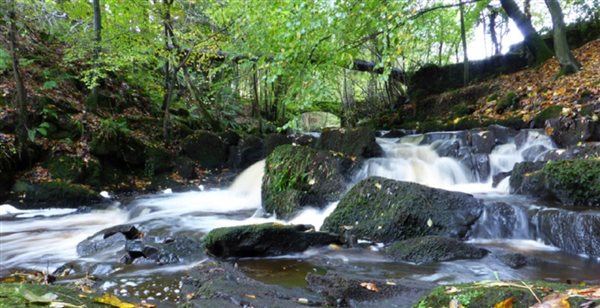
{"x":13,"y":295}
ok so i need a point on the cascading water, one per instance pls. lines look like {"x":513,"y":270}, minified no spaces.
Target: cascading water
{"x":48,"y":238}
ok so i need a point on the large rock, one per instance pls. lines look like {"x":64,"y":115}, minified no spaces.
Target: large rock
{"x":357,"y":142}
{"x":573,"y":232}
{"x":572,"y":182}
{"x":567,"y":131}
{"x":118,"y":147}
{"x":206,"y":148}
{"x":297,"y":176}
{"x":385,"y":210}
{"x":272,"y":141}
{"x":482,"y":141}
{"x":249,"y":151}
{"x":269,"y":239}
{"x":433,"y":249}
{"x":54,"y":194}
{"x":502,"y":134}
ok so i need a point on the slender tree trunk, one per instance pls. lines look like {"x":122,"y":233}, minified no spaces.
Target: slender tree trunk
{"x":170,"y":72}
{"x":93,"y":102}
{"x":536,"y":45}
{"x":21,"y":101}
{"x":463,"y":37}
{"x":494,"y":36}
{"x":568,"y":63}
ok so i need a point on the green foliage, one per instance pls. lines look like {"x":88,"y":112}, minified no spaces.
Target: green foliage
{"x":113,"y":127}
{"x":5,"y":64}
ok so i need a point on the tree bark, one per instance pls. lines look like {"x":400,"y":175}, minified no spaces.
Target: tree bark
{"x":170,"y":72}
{"x":492,"y":26}
{"x":536,"y":45}
{"x":21,"y":101}
{"x":97,"y":41}
{"x":463,"y":37}
{"x":568,"y":63}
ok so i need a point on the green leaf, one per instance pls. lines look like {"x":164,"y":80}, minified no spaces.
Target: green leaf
{"x":50,"y":84}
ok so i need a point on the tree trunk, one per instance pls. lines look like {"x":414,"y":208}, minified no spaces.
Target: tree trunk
{"x":494,"y":36}
{"x":21,"y":101}
{"x":463,"y":37}
{"x":536,"y":45}
{"x":568,"y":63}
{"x":527,"y":9}
{"x":170,"y":72}
{"x":93,"y":102}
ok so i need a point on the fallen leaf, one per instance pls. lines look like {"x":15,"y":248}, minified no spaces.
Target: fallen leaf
{"x":113,"y":301}
{"x":549,"y":131}
{"x":252,"y":296}
{"x":452,"y":290}
{"x":377,"y":185}
{"x":370,"y":286}
{"x":507,"y":303}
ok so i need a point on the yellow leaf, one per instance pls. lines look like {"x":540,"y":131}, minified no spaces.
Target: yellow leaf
{"x":507,"y":303}
{"x":549,"y":131}
{"x":113,"y":301}
{"x":378,"y":186}
{"x":252,"y":296}
{"x":429,"y":222}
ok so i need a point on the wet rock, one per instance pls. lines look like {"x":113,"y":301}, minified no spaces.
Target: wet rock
{"x":119,"y":148}
{"x":306,"y":140}
{"x":573,"y":232}
{"x":54,"y":194}
{"x":269,"y":239}
{"x":461,"y":136}
{"x":251,"y":150}
{"x":96,"y":244}
{"x":339,"y":290}
{"x":499,"y":177}
{"x":479,"y":164}
{"x":358,"y":142}
{"x":297,"y":176}
{"x":394,"y":133}
{"x":206,"y":148}
{"x":529,"y":136}
{"x":502,"y":220}
{"x":526,"y":178}
{"x":231,"y":138}
{"x":533,"y":153}
{"x":135,"y":249}
{"x":517,"y":260}
{"x":385,"y":210}
{"x":570,"y":131}
{"x":502,"y":134}
{"x":433,"y":249}
{"x":130,"y":231}
{"x":185,"y":167}
{"x":274,"y":140}
{"x":446,"y":148}
{"x":482,"y":141}
{"x":214,"y":284}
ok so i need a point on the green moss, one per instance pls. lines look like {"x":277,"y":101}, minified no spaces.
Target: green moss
{"x":14,"y":295}
{"x":66,"y":167}
{"x":508,"y":102}
{"x":57,"y":193}
{"x":546,"y":114}
{"x":574,"y":182}
{"x":488,"y":294}
{"x":461,"y":109}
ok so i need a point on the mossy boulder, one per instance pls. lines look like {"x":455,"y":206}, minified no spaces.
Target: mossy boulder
{"x":572,"y":182}
{"x":206,"y":148}
{"x":491,"y":293}
{"x":8,"y":158}
{"x":158,"y":159}
{"x":69,"y":168}
{"x":508,"y":102}
{"x":549,"y":113}
{"x":385,"y":210}
{"x":55,"y":193}
{"x":357,"y":142}
{"x":119,"y":148}
{"x":298,"y":176}
{"x":269,"y":239}
{"x":433,"y":249}
{"x":272,"y":141}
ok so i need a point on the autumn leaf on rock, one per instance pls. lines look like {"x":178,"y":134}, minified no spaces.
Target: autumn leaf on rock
{"x":370,"y":286}
{"x":507,"y":303}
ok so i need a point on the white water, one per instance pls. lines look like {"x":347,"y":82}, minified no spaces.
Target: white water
{"x":37,"y":238}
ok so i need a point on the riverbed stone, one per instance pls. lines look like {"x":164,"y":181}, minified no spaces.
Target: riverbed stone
{"x":502,"y":134}
{"x":428,"y":249}
{"x":342,"y":290}
{"x":385,"y":210}
{"x":573,"y":232}
{"x":206,"y":148}
{"x":269,"y":239}
{"x":357,"y":142}
{"x":566,"y":131}
{"x":297,"y":176}
{"x":482,"y":141}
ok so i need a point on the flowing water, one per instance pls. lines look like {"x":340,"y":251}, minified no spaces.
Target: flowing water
{"x":46,"y":239}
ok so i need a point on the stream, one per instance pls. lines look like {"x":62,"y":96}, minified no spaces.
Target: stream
{"x":47,"y":238}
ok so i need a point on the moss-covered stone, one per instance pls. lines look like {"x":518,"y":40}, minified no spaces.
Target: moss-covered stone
{"x":297,"y":176}
{"x":8,"y":156}
{"x":206,"y":148}
{"x":54,"y":193}
{"x":22,"y":295}
{"x":574,"y":182}
{"x":357,"y":142}
{"x":119,"y":148}
{"x":508,"y":102}
{"x":158,"y":159}
{"x":269,"y":239}
{"x":488,"y":294}
{"x":68,"y":168}
{"x":546,"y":114}
{"x":385,"y":210}
{"x":433,"y":249}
